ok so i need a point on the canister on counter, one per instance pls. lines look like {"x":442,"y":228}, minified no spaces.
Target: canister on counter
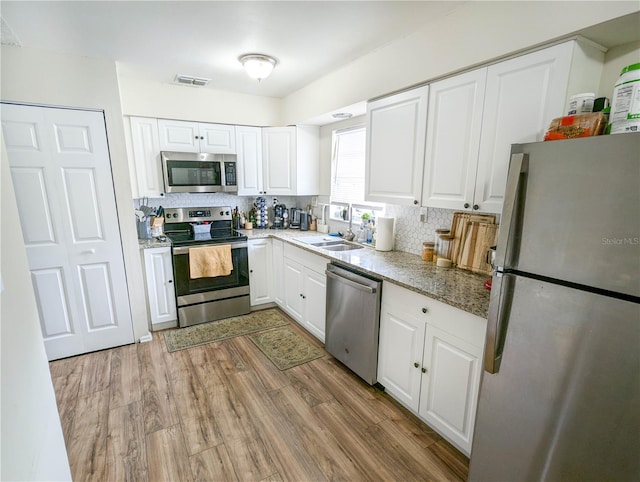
{"x":427,"y":250}
{"x":444,"y":246}
{"x":437,"y":249}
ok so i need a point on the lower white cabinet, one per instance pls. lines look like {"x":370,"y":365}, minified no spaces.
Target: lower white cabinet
{"x":161,"y":292}
{"x":260,"y":273}
{"x":305,"y":287}
{"x":430,"y":360}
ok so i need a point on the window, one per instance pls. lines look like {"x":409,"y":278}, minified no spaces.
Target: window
{"x":347,"y":175}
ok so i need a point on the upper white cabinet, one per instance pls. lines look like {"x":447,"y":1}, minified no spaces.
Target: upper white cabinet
{"x":430,"y":360}
{"x":249,"y":149}
{"x":182,"y":136}
{"x":475,"y":117}
{"x":290,"y":161}
{"x":146,"y":157}
{"x":453,"y":140}
{"x":396,"y":127}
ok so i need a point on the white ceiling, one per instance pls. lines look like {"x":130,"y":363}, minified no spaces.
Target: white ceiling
{"x":156,"y":40}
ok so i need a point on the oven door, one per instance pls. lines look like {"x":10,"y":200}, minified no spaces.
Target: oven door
{"x":200,"y":290}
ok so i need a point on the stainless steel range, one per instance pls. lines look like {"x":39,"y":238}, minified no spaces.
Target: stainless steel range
{"x":207,"y":298}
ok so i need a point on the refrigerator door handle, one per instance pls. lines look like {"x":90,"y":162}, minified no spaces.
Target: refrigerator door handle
{"x":508,"y":238}
{"x":499,"y":310}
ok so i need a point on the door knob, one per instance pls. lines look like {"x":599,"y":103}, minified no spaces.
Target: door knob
{"x":466,"y":205}
{"x":424,"y":370}
{"x":416,"y":364}
{"x":424,"y":310}
{"x":476,"y":207}
{"x":415,"y":202}
{"x":170,"y":281}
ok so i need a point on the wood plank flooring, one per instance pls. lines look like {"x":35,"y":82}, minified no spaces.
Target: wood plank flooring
{"x":223,"y":412}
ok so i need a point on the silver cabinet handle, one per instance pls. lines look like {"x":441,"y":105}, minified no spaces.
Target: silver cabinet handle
{"x":499,"y":308}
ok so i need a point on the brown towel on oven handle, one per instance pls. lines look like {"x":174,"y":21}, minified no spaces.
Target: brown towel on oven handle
{"x":210,"y":261}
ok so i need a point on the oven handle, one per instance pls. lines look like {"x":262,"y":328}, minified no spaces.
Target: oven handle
{"x":185,"y":249}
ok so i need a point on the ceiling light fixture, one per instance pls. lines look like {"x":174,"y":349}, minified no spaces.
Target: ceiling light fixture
{"x":258,"y":66}
{"x":342,"y":115}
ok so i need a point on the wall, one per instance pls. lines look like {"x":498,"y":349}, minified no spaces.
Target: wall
{"x":31,"y":441}
{"x":615,"y":60}
{"x":172,"y":101}
{"x":39,"y":77}
{"x":473,"y":34}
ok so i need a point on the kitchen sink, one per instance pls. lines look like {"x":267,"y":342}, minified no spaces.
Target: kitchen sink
{"x":342,"y":247}
{"x":326,"y":243}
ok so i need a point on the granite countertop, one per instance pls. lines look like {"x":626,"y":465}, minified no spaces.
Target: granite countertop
{"x":456,"y":287}
{"x":153,"y":243}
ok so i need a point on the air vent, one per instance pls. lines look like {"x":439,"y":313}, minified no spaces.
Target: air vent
{"x":189,"y":80}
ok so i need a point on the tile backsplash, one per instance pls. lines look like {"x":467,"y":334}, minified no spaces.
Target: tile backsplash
{"x":411,"y":232}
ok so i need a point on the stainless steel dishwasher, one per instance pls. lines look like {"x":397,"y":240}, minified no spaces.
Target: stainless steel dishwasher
{"x":353,"y":320}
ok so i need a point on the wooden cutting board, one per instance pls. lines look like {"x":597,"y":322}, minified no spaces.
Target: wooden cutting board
{"x":459,"y":227}
{"x":479,"y":237}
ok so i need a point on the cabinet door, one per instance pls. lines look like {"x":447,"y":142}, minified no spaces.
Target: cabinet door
{"x":279,"y":160}
{"x":160,"y":288}
{"x":260,"y":282}
{"x":278,"y":271}
{"x":400,"y":348}
{"x":146,"y":155}
{"x":249,"y":150}
{"x":453,"y":140}
{"x":217,"y":138}
{"x":396,"y":128}
{"x":293,"y":282}
{"x":523,"y":95}
{"x":315,"y":303}
{"x":178,"y":136}
{"x":450,"y":385}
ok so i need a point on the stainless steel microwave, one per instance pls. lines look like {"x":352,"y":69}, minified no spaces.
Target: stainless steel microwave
{"x":199,"y":172}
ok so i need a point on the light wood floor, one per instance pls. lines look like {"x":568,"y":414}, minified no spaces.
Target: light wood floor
{"x":223,"y":412}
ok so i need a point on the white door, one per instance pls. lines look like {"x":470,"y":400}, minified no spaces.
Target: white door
{"x":146,"y":156}
{"x":278,"y":271}
{"x":61,"y":171}
{"x":260,"y":283}
{"x":217,"y":138}
{"x":279,"y":160}
{"x":400,"y":349}
{"x":161,"y":290}
{"x":315,"y":303}
{"x":396,"y":127}
{"x":178,"y":136}
{"x":523,"y":95}
{"x":293,"y":279}
{"x":453,"y":140}
{"x":449,"y":394}
{"x":249,"y":148}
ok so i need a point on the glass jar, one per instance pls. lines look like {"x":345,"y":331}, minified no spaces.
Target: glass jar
{"x":437,"y":249}
{"x":427,"y":250}
{"x":444,"y":246}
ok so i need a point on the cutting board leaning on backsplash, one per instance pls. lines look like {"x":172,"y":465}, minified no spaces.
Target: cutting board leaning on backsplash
{"x":473,"y":235}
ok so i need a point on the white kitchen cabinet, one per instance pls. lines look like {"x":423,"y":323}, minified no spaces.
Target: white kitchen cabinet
{"x":145,"y":147}
{"x":290,"y":160}
{"x":259,"y":252}
{"x":184,"y":136}
{"x":305,"y":288}
{"x":396,"y":127}
{"x":278,"y":271}
{"x":161,"y":293}
{"x":453,"y":140}
{"x":475,"y":117}
{"x":430,"y":360}
{"x":249,"y":151}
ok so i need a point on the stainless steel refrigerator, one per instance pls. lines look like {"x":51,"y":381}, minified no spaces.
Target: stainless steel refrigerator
{"x":560,"y":394}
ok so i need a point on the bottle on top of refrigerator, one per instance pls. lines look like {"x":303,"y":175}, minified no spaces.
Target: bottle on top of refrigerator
{"x":625,"y":105}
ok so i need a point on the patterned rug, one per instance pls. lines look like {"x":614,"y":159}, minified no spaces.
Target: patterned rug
{"x":285,"y":348}
{"x":223,"y":329}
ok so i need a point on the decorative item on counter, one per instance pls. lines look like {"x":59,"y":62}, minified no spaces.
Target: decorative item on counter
{"x":445,"y":249}
{"x":262,"y":218}
{"x":572,"y":126}
{"x":436,"y":248}
{"x":427,"y":250}
{"x":625,"y":104}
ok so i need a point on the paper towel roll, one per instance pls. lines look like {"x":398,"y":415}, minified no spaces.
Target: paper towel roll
{"x":385,"y":233}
